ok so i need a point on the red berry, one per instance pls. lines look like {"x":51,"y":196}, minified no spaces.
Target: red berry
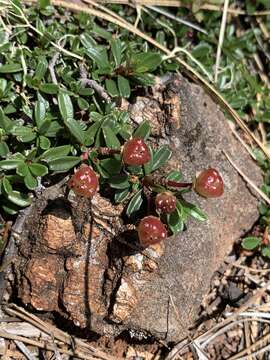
{"x":136,"y":152}
{"x":165,"y":202}
{"x":209,"y":184}
{"x":151,"y":231}
{"x":84,"y":182}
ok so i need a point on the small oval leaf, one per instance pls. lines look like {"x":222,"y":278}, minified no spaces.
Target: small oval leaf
{"x":65,"y":106}
{"x":250,"y":242}
{"x":65,"y":163}
{"x":161,"y":156}
{"x":135,"y":203}
{"x":143,"y":131}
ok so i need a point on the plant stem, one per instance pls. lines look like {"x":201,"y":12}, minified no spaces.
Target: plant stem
{"x":155,"y":181}
{"x":177,"y":184}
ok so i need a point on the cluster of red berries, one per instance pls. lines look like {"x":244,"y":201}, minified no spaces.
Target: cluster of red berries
{"x":151,"y":230}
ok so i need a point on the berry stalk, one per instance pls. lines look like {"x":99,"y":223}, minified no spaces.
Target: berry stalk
{"x":155,"y":181}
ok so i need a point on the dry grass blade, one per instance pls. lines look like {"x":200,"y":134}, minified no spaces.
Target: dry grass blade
{"x":80,"y":346}
{"x":173,"y":17}
{"x":251,"y":350}
{"x":48,"y":346}
{"x":178,"y":3}
{"x":193,"y":74}
{"x":221,"y":37}
{"x":24,"y":350}
{"x":251,"y":183}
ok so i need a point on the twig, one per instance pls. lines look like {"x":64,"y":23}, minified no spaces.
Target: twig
{"x":249,"y":269}
{"x":221,"y":37}
{"x":53,"y":61}
{"x":93,"y":84}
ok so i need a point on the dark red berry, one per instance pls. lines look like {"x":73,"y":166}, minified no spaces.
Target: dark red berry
{"x":84,"y":182}
{"x":165,"y":202}
{"x":209,"y":184}
{"x":136,"y":152}
{"x":151,"y":231}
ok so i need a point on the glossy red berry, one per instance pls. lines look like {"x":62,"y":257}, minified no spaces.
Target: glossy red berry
{"x":165,"y":202}
{"x":84,"y":182}
{"x":151,"y":231}
{"x":209,"y":184}
{"x":136,"y":152}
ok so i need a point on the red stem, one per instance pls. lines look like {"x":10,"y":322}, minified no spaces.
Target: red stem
{"x":177,"y":184}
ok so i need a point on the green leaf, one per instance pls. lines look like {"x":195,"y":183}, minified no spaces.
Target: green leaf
{"x":40,"y":112}
{"x":10,"y":68}
{"x":174,"y":175}
{"x":193,"y":211}
{"x":6,"y":185}
{"x":145,"y":62}
{"x":9,"y":164}
{"x":123,"y":86}
{"x":98,"y":55}
{"x":161,"y":156}
{"x":55,"y":153}
{"x":49,"y":88}
{"x":4,"y":149}
{"x":24,"y":133}
{"x":144,"y":79}
{"x":135,"y":170}
{"x":22,"y":169}
{"x":116,"y":51}
{"x":19,"y":199}
{"x":250,"y":242}
{"x":5,"y":122}
{"x":121,"y":195}
{"x":10,"y":208}
{"x":201,"y":50}
{"x":111,"y":165}
{"x":75,"y":129}
{"x":65,"y":106}
{"x":41,"y":68}
{"x":90,"y":133}
{"x":53,"y":129}
{"x":83,"y":104}
{"x":119,"y":182}
{"x":30,"y":181}
{"x":44,"y":143}
{"x":265,"y":250}
{"x":175,"y":222}
{"x":38,"y":169}
{"x":101,"y":32}
{"x":135,"y":203}
{"x":3,"y":85}
{"x":110,"y":138}
{"x":149,"y":165}
{"x":143,"y":131}
{"x":63,"y":164}
{"x":111,"y":87}
{"x":43,"y":3}
{"x":87,"y":40}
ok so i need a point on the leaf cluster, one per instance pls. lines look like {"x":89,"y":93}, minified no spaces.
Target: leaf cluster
{"x":47,"y":115}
